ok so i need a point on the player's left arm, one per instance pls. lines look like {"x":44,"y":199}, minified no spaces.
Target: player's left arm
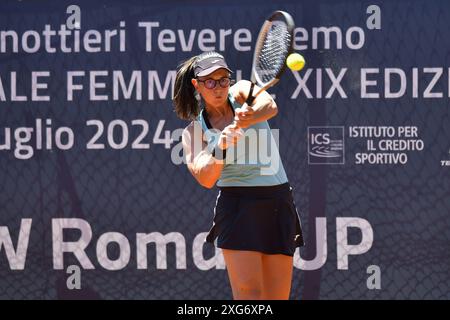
{"x":262,"y":109}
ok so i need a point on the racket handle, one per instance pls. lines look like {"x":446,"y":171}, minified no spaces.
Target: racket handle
{"x":250,"y":97}
{"x":249,"y":101}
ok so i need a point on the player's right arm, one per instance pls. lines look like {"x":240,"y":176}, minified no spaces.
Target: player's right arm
{"x":200,"y":162}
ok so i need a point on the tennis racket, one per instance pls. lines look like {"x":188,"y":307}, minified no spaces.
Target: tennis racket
{"x":273,"y":46}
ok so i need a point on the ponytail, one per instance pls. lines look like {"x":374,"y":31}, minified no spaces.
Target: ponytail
{"x":186,"y":105}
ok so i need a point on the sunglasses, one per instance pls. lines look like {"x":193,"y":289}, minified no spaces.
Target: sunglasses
{"x":211,"y":83}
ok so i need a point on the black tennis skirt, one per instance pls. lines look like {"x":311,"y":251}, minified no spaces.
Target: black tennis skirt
{"x":262,"y":219}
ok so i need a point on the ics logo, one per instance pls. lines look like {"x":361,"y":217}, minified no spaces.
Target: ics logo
{"x":326,"y":145}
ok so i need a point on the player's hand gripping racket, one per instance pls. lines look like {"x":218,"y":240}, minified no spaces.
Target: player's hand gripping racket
{"x":273,"y":46}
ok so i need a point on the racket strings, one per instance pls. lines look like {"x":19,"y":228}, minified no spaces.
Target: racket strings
{"x":273,"y":51}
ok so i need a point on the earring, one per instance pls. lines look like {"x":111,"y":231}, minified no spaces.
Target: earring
{"x":198,"y":97}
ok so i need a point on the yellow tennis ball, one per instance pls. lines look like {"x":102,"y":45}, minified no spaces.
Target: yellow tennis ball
{"x":295,"y":61}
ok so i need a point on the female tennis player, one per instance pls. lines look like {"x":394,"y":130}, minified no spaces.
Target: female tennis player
{"x":256,"y":223}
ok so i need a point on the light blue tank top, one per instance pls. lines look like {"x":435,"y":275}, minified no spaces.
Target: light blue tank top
{"x":254,"y":161}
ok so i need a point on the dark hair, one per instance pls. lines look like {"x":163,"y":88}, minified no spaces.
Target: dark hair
{"x":187,"y":107}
